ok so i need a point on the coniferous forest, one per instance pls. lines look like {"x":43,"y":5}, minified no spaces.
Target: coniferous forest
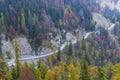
{"x":59,"y":40}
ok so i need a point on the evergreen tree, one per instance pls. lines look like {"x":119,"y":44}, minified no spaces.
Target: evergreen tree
{"x":2,"y":24}
{"x":58,"y":55}
{"x":14,"y":74}
{"x":70,"y":49}
{"x":35,"y":23}
{"x":101,"y":74}
{"x":3,"y":66}
{"x":1,"y":56}
{"x":32,"y":67}
{"x":30,"y":21}
{"x":84,"y":70}
{"x":25,"y":65}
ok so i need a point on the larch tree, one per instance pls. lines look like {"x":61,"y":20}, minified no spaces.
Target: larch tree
{"x":23,"y":23}
{"x":78,"y":69}
{"x":49,"y":75}
{"x":9,"y":72}
{"x":50,"y":62}
{"x":108,"y":70}
{"x":73,"y":72}
{"x":57,"y":73}
{"x":116,"y":72}
{"x":43,"y":68}
{"x":93,"y":72}
{"x":38,"y":74}
{"x":17,"y":54}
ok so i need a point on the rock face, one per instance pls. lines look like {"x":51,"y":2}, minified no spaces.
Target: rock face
{"x":44,"y":50}
{"x":2,"y":37}
{"x":7,"y":49}
{"x":101,"y":21}
{"x":25,"y":48}
{"x":54,"y":43}
{"x":112,"y":4}
{"x":69,"y":36}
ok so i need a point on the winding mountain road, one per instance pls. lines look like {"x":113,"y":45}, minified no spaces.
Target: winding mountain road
{"x":12,"y":62}
{"x":30,"y":58}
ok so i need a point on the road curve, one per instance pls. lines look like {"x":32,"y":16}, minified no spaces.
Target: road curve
{"x":12,"y":62}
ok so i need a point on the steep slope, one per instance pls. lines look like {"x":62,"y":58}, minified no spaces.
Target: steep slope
{"x":111,"y":4}
{"x":101,"y":21}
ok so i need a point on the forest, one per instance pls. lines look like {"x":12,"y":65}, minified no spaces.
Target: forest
{"x":63,"y":66}
{"x":37,"y":18}
{"x":94,"y":58}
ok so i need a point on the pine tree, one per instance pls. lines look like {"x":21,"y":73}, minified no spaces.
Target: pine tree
{"x":25,"y":65}
{"x":35,"y":20}
{"x":2,"y":24}
{"x":1,"y":56}
{"x":30,"y":22}
{"x":84,"y":70}
{"x":101,"y":74}
{"x":3,"y":66}
{"x":32,"y":67}
{"x":70,"y":49}
{"x":14,"y":74}
{"x":58,"y":55}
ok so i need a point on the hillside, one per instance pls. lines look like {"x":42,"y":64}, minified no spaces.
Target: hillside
{"x":59,"y":40}
{"x":112,"y":4}
{"x":44,"y":22}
